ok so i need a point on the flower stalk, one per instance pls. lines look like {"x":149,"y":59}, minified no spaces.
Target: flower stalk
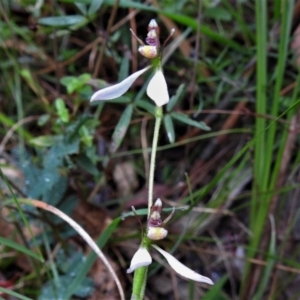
{"x":139,"y":283}
{"x":140,"y":274}
{"x":158,"y":119}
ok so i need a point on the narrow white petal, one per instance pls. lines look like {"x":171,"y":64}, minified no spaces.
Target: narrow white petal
{"x":118,"y":89}
{"x":157,"y":89}
{"x":181,"y":268}
{"x":141,"y":258}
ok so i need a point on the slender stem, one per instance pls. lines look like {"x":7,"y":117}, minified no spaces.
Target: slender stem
{"x":139,"y":283}
{"x":158,"y":118}
{"x":140,"y":274}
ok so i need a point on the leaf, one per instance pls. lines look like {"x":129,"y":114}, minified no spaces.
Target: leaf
{"x":62,"y":21}
{"x":62,"y":111}
{"x":124,"y":69}
{"x":146,"y":105}
{"x":122,"y":99}
{"x":218,"y":13}
{"x":84,"y":78}
{"x":73,"y":83}
{"x":53,"y":290}
{"x":95,"y":5}
{"x":78,"y":1}
{"x":169,"y":128}
{"x":70,"y":82}
{"x":82,"y":7}
{"x":68,"y":260}
{"x":43,"y":119}
{"x":56,"y":188}
{"x":176,"y":98}
{"x":20,"y":248}
{"x":185,"y":119}
{"x":85,"y":162}
{"x":14,"y":294}
{"x":43,"y":141}
{"x":86,"y":136}
{"x":215,"y":292}
{"x":73,"y":128}
{"x":121,"y":129}
{"x":87,"y":264}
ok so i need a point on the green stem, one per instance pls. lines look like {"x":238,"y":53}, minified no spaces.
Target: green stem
{"x":158,"y":118}
{"x":139,"y":283}
{"x":140,"y":274}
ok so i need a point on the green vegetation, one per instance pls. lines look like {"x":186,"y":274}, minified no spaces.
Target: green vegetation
{"x":227,"y":156}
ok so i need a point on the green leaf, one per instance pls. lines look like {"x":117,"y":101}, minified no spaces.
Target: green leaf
{"x":87,"y":264}
{"x":43,"y":119}
{"x":73,"y":1}
{"x":169,"y":128}
{"x":122,"y":99}
{"x":44,"y":141}
{"x":82,"y":7}
{"x":84,"y":78}
{"x":20,"y":248}
{"x":218,"y":13}
{"x":176,"y":98}
{"x":86,"y":136}
{"x":121,"y":129}
{"x":85,"y":162}
{"x":215,"y":292}
{"x":62,"y":111}
{"x":14,"y":294}
{"x":62,"y":21}
{"x":95,"y":5}
{"x":73,"y":83}
{"x":70,"y":82}
{"x":53,"y":290}
{"x":124,"y":69}
{"x":147,"y":106}
{"x":185,"y":119}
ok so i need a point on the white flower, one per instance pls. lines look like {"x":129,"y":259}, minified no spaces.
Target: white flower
{"x":157,"y":89}
{"x":143,"y":258}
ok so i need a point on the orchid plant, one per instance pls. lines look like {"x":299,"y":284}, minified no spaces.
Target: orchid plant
{"x":157,"y":90}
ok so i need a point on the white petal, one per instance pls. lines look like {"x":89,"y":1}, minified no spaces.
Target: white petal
{"x":141,"y":258}
{"x":181,"y":268}
{"x":118,"y":89}
{"x":157,"y":89}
